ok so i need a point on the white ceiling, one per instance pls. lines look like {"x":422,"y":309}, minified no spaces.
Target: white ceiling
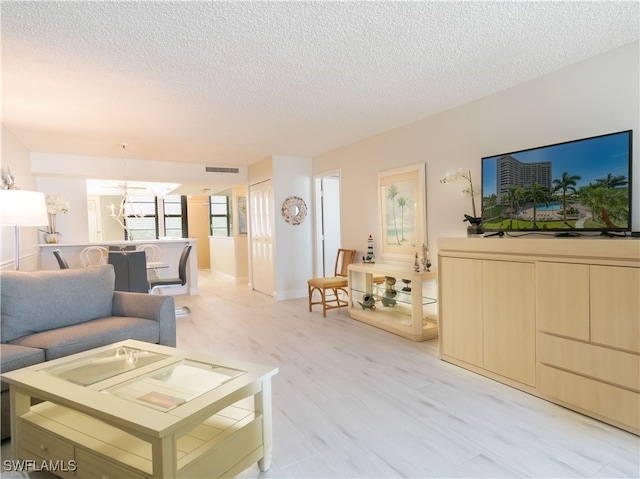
{"x":229,"y":83}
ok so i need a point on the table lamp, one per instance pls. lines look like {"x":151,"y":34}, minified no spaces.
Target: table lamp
{"x":22,"y":208}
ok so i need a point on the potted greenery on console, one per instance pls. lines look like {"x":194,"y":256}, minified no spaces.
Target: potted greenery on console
{"x":475,"y":221}
{"x":55,"y":204}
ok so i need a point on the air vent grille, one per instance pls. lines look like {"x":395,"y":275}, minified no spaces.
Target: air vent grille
{"x":219,"y":169}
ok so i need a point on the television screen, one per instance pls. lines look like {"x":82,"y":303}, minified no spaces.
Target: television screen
{"x":580,"y":185}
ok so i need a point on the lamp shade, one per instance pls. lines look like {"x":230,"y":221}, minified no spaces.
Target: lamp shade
{"x":24,"y":208}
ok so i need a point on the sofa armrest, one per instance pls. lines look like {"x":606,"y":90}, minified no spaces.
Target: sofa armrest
{"x":149,"y":306}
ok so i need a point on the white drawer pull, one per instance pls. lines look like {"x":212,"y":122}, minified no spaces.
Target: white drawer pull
{"x":44,"y":447}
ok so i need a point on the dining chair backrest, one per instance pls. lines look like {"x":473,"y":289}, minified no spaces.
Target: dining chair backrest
{"x":152,"y":251}
{"x":130,"y":268}
{"x":129,"y":247}
{"x":61,"y":261}
{"x":94,"y":255}
{"x":182,"y":266}
{"x":181,"y":280}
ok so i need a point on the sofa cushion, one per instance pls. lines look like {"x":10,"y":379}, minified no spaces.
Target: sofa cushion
{"x":37,"y":301}
{"x":68,"y":340}
{"x":16,"y":357}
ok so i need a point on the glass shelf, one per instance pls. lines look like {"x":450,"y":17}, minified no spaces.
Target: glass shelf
{"x":98,"y":367}
{"x":402,"y":297}
{"x":174,"y":385}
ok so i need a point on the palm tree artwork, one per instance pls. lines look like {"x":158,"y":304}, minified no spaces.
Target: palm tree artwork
{"x":402,"y":202}
{"x":391,"y":195}
{"x":400,"y":227}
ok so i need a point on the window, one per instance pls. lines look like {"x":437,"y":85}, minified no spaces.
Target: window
{"x":220,"y":207}
{"x":141,"y":217}
{"x":175,"y":214}
{"x":150,"y":217}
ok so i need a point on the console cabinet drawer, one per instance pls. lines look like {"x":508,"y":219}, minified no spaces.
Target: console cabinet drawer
{"x":91,"y":466}
{"x":617,"y":405}
{"x":35,"y":441}
{"x":597,"y":362}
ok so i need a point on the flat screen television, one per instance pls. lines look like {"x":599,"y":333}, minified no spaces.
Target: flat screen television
{"x":564,"y":188}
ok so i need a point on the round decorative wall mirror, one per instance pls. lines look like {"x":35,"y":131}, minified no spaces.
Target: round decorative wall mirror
{"x":294,"y":210}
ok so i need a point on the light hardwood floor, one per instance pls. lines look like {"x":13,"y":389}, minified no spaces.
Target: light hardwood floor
{"x":353,"y":401}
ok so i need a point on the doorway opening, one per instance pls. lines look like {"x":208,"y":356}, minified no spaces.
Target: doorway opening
{"x":327,"y":221}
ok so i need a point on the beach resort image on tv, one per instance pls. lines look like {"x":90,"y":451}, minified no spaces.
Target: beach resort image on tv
{"x":578,"y":185}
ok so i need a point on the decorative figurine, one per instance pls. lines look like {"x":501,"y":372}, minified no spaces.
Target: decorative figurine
{"x":386,"y":301}
{"x":368,"y":301}
{"x":390,"y":282}
{"x":8,"y":180}
{"x":370,"y":258}
{"x":416,"y":265}
{"x":426,"y":258}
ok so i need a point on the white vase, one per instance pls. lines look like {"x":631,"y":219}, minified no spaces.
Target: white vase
{"x":51,"y":238}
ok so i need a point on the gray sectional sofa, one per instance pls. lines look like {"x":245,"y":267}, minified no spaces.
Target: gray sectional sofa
{"x":50,"y":314}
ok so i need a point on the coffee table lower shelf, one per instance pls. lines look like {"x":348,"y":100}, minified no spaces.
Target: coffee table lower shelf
{"x":80,"y":446}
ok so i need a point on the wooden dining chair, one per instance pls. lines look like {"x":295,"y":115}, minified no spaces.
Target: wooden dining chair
{"x":332,"y":289}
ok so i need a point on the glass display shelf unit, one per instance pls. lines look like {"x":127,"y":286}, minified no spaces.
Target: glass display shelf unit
{"x":394,"y":298}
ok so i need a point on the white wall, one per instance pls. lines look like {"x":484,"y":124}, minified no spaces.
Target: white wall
{"x":593,"y":97}
{"x":293,"y":243}
{"x":15,"y":156}
{"x":290,"y":176}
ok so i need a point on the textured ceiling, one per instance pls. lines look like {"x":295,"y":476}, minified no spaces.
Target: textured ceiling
{"x":229,"y":83}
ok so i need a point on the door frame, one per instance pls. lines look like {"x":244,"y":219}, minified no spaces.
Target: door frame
{"x":325,"y":214}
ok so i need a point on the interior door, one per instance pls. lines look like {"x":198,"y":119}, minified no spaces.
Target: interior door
{"x":198,"y":214}
{"x":261,"y":237}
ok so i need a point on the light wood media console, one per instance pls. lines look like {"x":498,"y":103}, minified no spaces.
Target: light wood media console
{"x":556,"y":317}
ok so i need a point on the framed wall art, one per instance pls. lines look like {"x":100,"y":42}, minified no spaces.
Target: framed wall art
{"x":403,"y":211}
{"x":242,"y":215}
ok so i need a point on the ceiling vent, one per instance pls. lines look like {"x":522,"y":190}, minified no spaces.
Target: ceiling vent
{"x":218,"y":169}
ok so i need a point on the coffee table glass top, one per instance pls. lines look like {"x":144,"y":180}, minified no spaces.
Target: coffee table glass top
{"x":100,"y":366}
{"x":173,"y":385}
{"x":163,"y":388}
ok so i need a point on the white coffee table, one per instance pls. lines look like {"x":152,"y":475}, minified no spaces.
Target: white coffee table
{"x":135,"y":409}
